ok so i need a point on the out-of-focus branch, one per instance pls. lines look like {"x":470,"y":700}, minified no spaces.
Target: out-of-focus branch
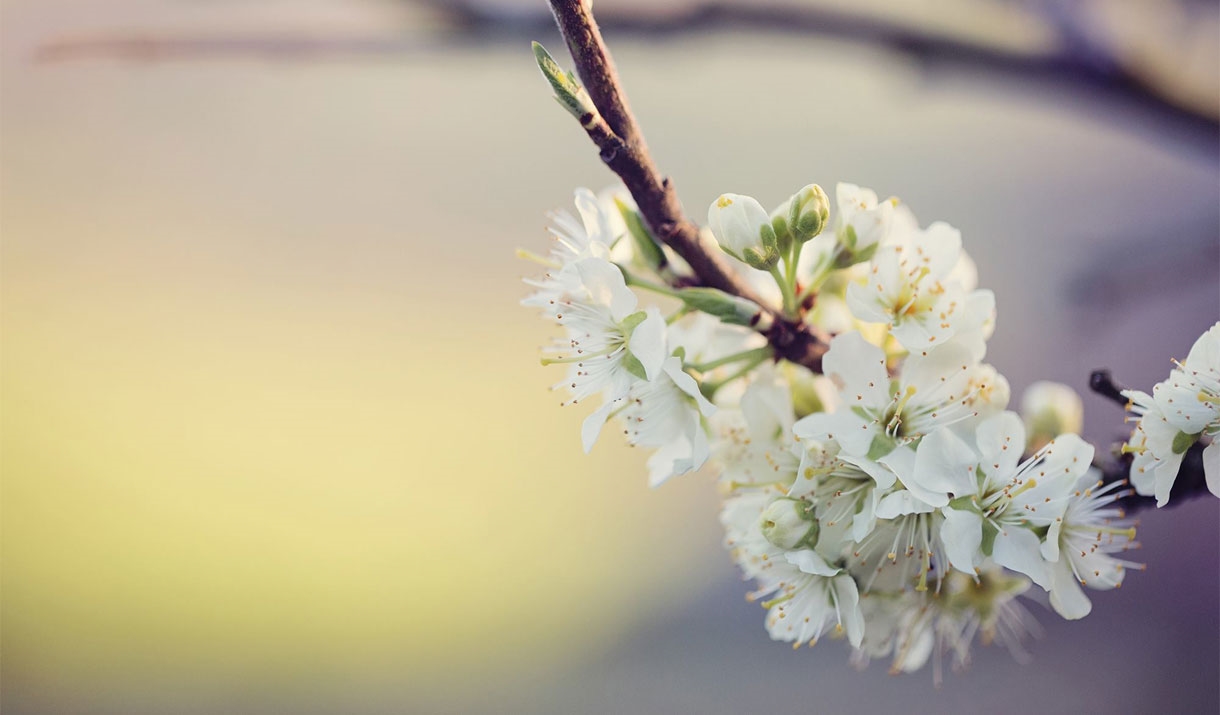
{"x":1067,"y":65}
{"x":612,"y":127}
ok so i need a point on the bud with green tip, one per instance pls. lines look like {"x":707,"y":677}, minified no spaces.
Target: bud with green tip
{"x":568,"y":92}
{"x":808,"y":212}
{"x":790,"y":524}
{"x":743,"y":229}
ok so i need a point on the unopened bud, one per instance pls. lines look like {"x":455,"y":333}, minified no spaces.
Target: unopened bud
{"x":743,"y":229}
{"x":789,"y":524}
{"x":1050,"y":409}
{"x":808,"y":212}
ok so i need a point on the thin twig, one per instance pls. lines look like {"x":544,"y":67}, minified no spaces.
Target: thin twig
{"x":622,"y":148}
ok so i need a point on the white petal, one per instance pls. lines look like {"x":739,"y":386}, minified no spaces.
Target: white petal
{"x":863,"y":303}
{"x":809,"y":561}
{"x":1067,"y":597}
{"x":858,"y":369}
{"x":592,"y":426}
{"x":1020,"y":550}
{"x":944,"y":463}
{"x":962,"y":534}
{"x":1166,"y":475}
{"x":647,"y":342}
{"x":847,"y":596}
{"x":673,"y":368}
{"x":1001,"y":440}
{"x":1211,"y":466}
{"x":902,"y":502}
{"x":606,"y":286}
{"x":884,"y":476}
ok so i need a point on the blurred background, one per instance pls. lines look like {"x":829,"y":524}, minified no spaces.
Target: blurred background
{"x":275,"y":436}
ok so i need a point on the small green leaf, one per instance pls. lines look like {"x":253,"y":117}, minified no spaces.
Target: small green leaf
{"x":568,"y":92}
{"x":629,"y":323}
{"x":1182,"y":442}
{"x":989,"y":533}
{"x":881,"y":446}
{"x":728,"y":308}
{"x":634,"y":366}
{"x":645,"y":245}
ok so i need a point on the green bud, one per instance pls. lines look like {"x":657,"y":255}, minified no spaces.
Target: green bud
{"x":779,"y":224}
{"x":808,"y":212}
{"x":568,"y":92}
{"x":728,"y":308}
{"x":789,"y":524}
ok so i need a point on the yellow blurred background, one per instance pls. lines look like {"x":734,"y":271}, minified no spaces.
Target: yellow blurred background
{"x":275,"y":436}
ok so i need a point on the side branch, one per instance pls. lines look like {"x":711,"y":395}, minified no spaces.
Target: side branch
{"x":614,"y":131}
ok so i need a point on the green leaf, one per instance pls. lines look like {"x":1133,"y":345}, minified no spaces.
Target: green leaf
{"x":645,"y":244}
{"x":568,"y":92}
{"x":881,"y":446}
{"x":728,"y":308}
{"x":989,"y":533}
{"x":629,"y":323}
{"x":634,"y":366}
{"x":1182,"y":442}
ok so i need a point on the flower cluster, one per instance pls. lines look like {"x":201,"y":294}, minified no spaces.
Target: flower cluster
{"x":1181,"y":410}
{"x":892,"y":499}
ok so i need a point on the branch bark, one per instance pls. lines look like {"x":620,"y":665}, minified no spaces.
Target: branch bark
{"x":622,"y":148}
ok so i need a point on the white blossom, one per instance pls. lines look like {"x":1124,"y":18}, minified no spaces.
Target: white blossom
{"x":936,"y":388}
{"x":665,"y":414}
{"x":1083,"y":543}
{"x":998,"y":513}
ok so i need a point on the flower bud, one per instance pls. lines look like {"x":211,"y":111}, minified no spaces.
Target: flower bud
{"x":1050,"y":409}
{"x":789,"y":524}
{"x":808,"y":212}
{"x":743,"y":229}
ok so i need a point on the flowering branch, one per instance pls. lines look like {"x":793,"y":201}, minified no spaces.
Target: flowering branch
{"x":1191,"y":480}
{"x":601,"y":107}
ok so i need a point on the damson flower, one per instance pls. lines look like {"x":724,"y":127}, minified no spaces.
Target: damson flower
{"x":1190,"y":397}
{"x":1002,"y":513}
{"x":665,"y":414}
{"x":1180,"y":410}
{"x":754,"y":444}
{"x":913,"y":289}
{"x":936,"y":388}
{"x":608,"y":344}
{"x":863,"y":222}
{"x":804,"y":594}
{"x":1083,"y":543}
{"x":912,"y":628}
{"x":590,"y":236}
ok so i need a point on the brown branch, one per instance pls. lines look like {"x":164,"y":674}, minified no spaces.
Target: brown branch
{"x":622,"y":148}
